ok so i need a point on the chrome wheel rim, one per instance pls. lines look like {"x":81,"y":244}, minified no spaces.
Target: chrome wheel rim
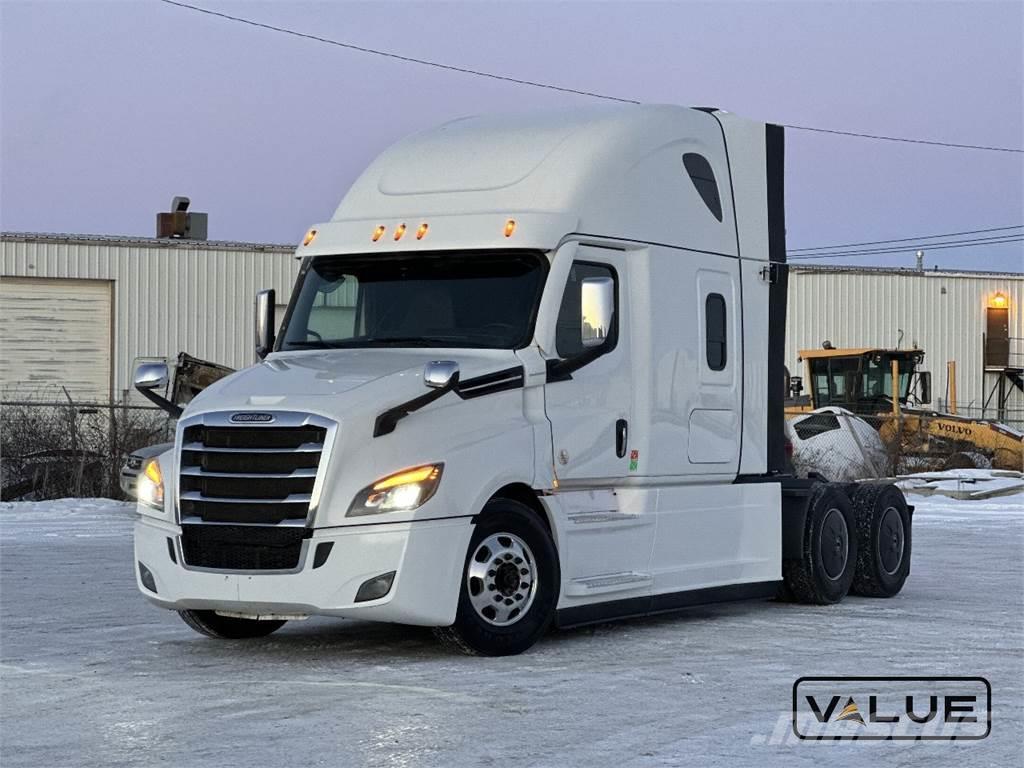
{"x":501,"y":579}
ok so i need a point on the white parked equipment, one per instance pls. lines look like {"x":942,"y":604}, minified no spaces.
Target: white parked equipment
{"x":531,"y":373}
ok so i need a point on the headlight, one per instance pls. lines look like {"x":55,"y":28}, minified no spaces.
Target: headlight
{"x":150,"y":488}
{"x":400,"y":492}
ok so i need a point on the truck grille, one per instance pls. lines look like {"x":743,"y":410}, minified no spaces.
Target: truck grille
{"x":249,"y":474}
{"x":242,"y":547}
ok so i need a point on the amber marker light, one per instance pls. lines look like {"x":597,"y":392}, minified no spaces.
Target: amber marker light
{"x":422,"y":231}
{"x":510,"y":227}
{"x":400,"y":232}
{"x":309,"y":238}
{"x":378,"y":233}
{"x":418,"y":475}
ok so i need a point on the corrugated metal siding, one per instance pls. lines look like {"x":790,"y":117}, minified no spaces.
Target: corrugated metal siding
{"x":942,"y":313}
{"x":194,"y":297}
{"x":55,"y":331}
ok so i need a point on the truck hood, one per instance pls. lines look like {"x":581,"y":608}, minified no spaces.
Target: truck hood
{"x":286,"y":376}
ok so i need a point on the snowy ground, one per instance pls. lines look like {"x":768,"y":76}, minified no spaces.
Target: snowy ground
{"x":92,"y":675}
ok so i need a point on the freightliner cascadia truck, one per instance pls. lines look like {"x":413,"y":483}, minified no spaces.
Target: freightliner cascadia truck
{"x":530,"y":375}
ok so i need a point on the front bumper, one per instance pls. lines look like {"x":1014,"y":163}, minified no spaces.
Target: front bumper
{"x":427,"y":557}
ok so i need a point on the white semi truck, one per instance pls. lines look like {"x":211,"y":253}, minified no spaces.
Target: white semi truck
{"x":531,"y":374}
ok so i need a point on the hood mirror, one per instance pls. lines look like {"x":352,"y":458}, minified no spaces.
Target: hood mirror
{"x":150,"y":376}
{"x":441,"y":374}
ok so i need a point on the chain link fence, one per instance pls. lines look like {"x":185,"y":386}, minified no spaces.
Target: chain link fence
{"x":54,"y":448}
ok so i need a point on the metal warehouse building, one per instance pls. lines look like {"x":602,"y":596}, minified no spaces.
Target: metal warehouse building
{"x":78,"y":310}
{"x":973,"y":318}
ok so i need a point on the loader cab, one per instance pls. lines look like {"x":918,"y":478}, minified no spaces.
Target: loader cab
{"x":861,"y":380}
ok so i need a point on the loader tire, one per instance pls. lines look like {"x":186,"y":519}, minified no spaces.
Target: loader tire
{"x":825,"y":570}
{"x":213,"y":624}
{"x":883,"y":540}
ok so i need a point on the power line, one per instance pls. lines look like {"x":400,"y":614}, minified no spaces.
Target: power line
{"x":908,"y":249}
{"x":548,"y":86}
{"x":396,"y":56}
{"x":879,"y":137}
{"x":905,"y":239}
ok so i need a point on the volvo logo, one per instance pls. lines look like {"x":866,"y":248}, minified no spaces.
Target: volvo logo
{"x":252,"y":418}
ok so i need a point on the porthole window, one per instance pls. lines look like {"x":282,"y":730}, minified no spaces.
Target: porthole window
{"x":703,"y":179}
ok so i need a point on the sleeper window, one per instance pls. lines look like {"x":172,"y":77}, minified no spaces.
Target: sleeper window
{"x":703,"y":179}
{"x":714,"y":318}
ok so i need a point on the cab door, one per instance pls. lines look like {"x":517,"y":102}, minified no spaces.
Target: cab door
{"x":588,"y":395}
{"x":609,"y":526}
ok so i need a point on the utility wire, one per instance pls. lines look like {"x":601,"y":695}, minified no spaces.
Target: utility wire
{"x":905,"y":239}
{"x":879,"y":137}
{"x":548,"y":86}
{"x":929,"y":248}
{"x":396,"y":56}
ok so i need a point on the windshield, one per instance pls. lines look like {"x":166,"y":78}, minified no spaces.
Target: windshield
{"x":855,"y":382}
{"x":878,"y":378}
{"x":477,"y":299}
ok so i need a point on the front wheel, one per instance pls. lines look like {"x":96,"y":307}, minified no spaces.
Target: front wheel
{"x":510,"y":583}
{"x":212,"y":624}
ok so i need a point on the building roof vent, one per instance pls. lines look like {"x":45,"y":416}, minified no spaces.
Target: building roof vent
{"x":179,"y":223}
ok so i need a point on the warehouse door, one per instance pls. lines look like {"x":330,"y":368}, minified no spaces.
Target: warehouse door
{"x":54,"y":333}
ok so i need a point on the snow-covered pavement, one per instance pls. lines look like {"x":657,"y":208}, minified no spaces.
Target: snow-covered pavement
{"x":92,"y":675}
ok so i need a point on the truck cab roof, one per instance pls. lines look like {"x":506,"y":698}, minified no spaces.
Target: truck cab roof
{"x":651,"y":173}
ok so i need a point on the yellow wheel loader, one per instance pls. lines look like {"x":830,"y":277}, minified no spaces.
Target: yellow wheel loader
{"x":885,"y":387}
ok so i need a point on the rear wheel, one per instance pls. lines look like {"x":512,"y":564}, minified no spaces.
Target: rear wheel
{"x":883,"y":540}
{"x":825,"y":570}
{"x":510,"y":583}
{"x":212,"y":624}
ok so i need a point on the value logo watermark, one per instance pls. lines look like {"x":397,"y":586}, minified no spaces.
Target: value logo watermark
{"x":892,"y":708}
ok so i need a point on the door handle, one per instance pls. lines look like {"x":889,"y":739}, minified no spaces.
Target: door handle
{"x":621,"y":433}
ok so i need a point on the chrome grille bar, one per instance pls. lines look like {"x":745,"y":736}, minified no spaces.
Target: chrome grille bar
{"x":243,"y":471}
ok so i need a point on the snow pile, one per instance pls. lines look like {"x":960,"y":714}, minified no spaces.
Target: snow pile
{"x":964,"y":483}
{"x":78,"y":518}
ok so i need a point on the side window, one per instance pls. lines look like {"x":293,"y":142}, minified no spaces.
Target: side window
{"x":333,"y":314}
{"x":571,"y":327}
{"x":714,"y":318}
{"x":703,"y":179}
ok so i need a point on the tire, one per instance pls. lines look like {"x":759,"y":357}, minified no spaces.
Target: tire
{"x":825,"y":570}
{"x":500,"y":613}
{"x":212,"y":624}
{"x":883,"y":540}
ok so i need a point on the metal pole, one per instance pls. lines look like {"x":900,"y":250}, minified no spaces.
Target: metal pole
{"x":951,"y":378}
{"x":896,"y":388}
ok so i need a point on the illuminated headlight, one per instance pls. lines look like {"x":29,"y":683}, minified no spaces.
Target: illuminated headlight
{"x":400,"y":492}
{"x":150,"y":488}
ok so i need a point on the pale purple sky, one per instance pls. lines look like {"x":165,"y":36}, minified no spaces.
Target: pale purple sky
{"x":110,"y":109}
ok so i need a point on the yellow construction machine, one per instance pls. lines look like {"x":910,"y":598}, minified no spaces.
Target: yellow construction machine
{"x":887,"y":389}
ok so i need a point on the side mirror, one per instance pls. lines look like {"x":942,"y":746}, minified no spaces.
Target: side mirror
{"x":597,"y":309}
{"x":150,"y":376}
{"x":264,"y":322}
{"x":441,"y":374}
{"x":924,"y":386}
